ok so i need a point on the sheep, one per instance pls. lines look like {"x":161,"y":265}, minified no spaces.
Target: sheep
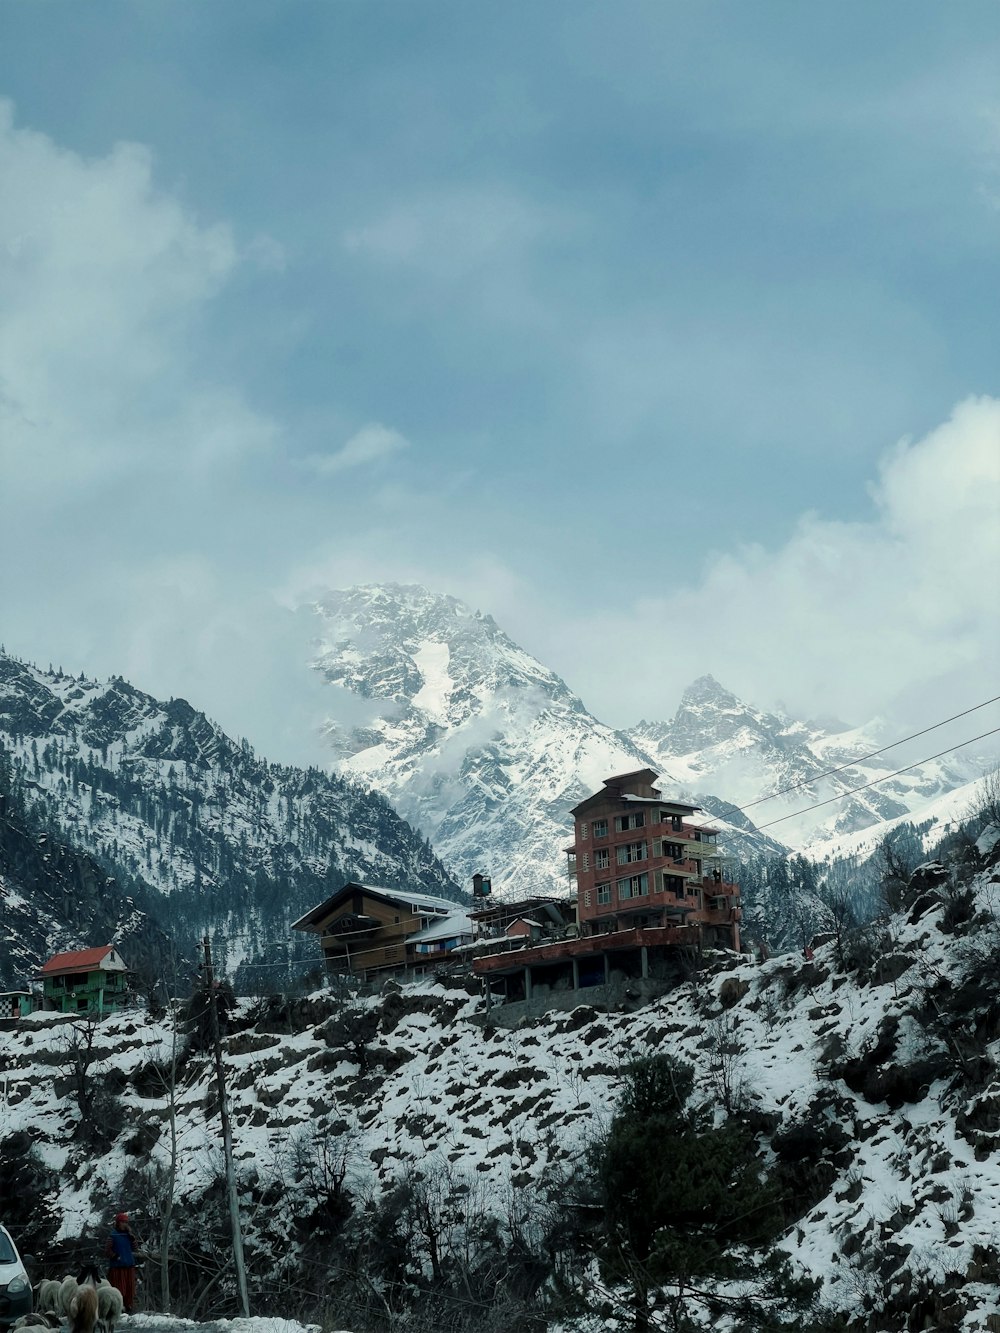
{"x":48,"y":1296}
{"x":83,"y":1303}
{"x":67,"y":1290}
{"x":110,"y":1303}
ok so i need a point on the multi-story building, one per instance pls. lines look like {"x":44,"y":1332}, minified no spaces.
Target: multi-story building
{"x":640,"y":861}
{"x":651,"y":895}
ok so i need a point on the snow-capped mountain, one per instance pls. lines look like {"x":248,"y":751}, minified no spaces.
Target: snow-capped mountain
{"x":868,"y":1074}
{"x":718,"y":743}
{"x":170,"y":806}
{"x":486,"y":750}
{"x":471,"y":738}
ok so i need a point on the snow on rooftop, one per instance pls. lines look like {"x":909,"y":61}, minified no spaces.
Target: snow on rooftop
{"x":455,"y":925}
{"x":418,"y":900}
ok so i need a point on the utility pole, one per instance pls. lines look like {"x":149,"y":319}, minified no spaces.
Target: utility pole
{"x":227,"y":1133}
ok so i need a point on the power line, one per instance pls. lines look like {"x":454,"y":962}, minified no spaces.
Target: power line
{"x":865,"y":757}
{"x":816,"y":805}
{"x":295,"y":962}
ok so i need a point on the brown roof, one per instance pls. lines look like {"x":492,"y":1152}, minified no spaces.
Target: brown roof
{"x":636,"y":775}
{"x":79,"y":961}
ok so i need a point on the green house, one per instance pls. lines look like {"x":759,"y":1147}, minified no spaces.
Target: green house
{"x":92,"y":981}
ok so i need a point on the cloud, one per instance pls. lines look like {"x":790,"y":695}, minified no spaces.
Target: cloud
{"x":372,"y":443}
{"x":478,"y":253}
{"x":103,"y":281}
{"x":892,"y":614}
{"x":451,"y":232}
{"x":847,"y":617}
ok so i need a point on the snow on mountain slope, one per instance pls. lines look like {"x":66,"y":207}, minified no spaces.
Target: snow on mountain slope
{"x":54,"y":897}
{"x":880,"y":1055}
{"x":717,"y":743}
{"x":162,"y":798}
{"x":472,"y":739}
{"x":486,"y":750}
{"x":934,"y":820}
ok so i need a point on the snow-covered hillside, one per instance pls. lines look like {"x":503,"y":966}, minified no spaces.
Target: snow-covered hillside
{"x":472,"y":739}
{"x":52,"y":894}
{"x":877,"y":1059}
{"x":716,"y":743}
{"x":170,"y":805}
{"x":933,"y":821}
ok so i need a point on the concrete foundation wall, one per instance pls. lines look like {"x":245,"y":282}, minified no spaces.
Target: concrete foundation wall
{"x":621,"y":993}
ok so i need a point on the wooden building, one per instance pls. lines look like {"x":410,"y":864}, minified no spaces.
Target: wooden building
{"x":367,"y":931}
{"x":524,"y":916}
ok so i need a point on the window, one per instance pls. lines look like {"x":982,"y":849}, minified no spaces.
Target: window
{"x":674,"y":850}
{"x":599,"y":828}
{"x":603,"y":894}
{"x":671,"y":884}
{"x":602,"y":858}
{"x":676,"y":823}
{"x":636,"y":886}
{"x":586,"y":898}
{"x":585,"y":862}
{"x":631,"y":851}
{"x":623,"y":822}
{"x":583,"y":830}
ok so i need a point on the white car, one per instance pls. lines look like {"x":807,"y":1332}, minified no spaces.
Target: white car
{"x":15,"y":1289}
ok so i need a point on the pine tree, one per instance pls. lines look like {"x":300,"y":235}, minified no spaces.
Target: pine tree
{"x":687,"y":1207}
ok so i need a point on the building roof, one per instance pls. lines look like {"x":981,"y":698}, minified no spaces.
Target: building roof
{"x":421,"y":901}
{"x":80,"y":960}
{"x":637,"y":775}
{"x":449,"y":927}
{"x":550,"y":906}
{"x":659,"y":800}
{"x":641,"y":777}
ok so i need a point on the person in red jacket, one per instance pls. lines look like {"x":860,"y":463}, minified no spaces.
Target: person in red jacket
{"x":120,"y":1249}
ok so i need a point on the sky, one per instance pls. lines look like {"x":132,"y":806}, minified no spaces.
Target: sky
{"x":665,"y":333}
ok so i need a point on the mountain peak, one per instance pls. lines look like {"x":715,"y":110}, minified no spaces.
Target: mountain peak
{"x":479,"y":743}
{"x":707,"y":690}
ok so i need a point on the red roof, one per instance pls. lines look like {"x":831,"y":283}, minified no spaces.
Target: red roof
{"x":83,"y":960}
